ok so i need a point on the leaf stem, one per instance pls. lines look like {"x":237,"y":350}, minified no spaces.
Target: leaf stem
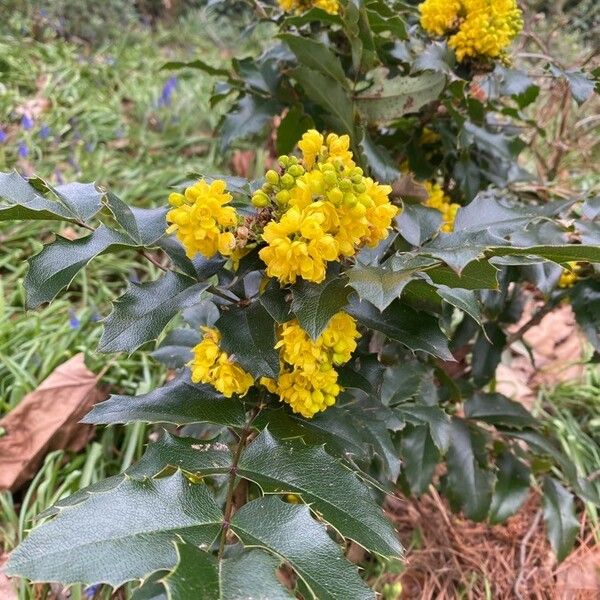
{"x":232,"y":479}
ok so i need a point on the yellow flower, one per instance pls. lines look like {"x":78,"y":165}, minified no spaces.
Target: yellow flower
{"x":442,"y":203}
{"x":201,"y":219}
{"x":211,"y":365}
{"x":298,"y":6}
{"x":308,"y":380}
{"x":324,"y":209}
{"x":570,"y":275}
{"x":476,"y":27}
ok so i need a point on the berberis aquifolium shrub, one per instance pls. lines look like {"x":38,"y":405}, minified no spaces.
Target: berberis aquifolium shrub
{"x":334,"y":337}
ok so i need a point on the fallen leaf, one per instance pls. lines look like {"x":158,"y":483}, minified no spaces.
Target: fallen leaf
{"x":47,"y":419}
{"x":579,"y":575}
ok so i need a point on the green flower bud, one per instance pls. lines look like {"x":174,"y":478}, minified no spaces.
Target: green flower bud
{"x":284,"y":160}
{"x":272,"y":177}
{"x":282,"y":197}
{"x":287,"y":181}
{"x":260,"y":199}
{"x":296,"y":170}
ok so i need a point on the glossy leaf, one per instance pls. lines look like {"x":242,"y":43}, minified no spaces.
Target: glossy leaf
{"x":559,"y":514}
{"x":145,"y":310}
{"x":498,"y":410}
{"x":464,"y":300}
{"x":178,"y":402}
{"x":288,"y":531}
{"x":512,"y":488}
{"x":119,"y":535}
{"x":420,"y":457}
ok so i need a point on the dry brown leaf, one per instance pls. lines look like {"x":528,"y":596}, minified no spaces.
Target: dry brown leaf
{"x":407,"y":187}
{"x":47,"y":419}
{"x":7,"y":590}
{"x":579,"y":575}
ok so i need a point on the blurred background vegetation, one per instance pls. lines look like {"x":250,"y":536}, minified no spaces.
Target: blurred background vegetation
{"x":83,"y":98}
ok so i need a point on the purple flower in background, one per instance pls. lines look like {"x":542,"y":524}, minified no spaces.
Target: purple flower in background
{"x":23,"y":150}
{"x":119,"y":133}
{"x":91,"y":591}
{"x":45,"y":132}
{"x":58,"y":176}
{"x":3,"y":136}
{"x":26,"y":122}
{"x":89,"y":147}
{"x":74,"y":322}
{"x":167,"y":92}
{"x":73,"y":162}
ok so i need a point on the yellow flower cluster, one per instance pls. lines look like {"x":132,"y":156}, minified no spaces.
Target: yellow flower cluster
{"x":308,"y":380}
{"x":324,"y":207}
{"x":330,"y":6}
{"x":475,"y":27}
{"x":438,"y":200}
{"x":202,"y":220}
{"x":211,"y":365}
{"x":570,"y":276}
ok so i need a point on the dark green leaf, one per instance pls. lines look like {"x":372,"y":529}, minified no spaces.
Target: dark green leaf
{"x":418,"y":223}
{"x":585,"y":300}
{"x":512,"y":488}
{"x":194,"y":64}
{"x":57,"y":264}
{"x":379,"y":160}
{"x":487,"y":352}
{"x":178,"y":402}
{"x":316,"y":55}
{"x":274,"y":299}
{"x":476,"y":275}
{"x":288,"y":531}
{"x":437,"y":420}
{"x":175,"y":351}
{"x":390,"y":99}
{"x":315,"y":304}
{"x":145,"y":309}
{"x":290,"y":130}
{"x":417,"y":331}
{"x":498,"y":410}
{"x":464,"y":300}
{"x":469,"y":487}
{"x":249,"y":335}
{"x":419,"y":456}
{"x":119,"y":535}
{"x":559,"y":514}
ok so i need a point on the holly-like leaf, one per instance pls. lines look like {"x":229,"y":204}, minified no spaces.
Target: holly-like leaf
{"x":512,"y":488}
{"x":469,"y":487}
{"x":585,"y":300}
{"x":435,"y":57}
{"x":417,"y":331}
{"x":315,"y":55}
{"x":315,"y":304}
{"x":464,"y":300}
{"x":498,"y":410}
{"x":418,"y":223}
{"x":145,"y":309}
{"x":329,"y":94}
{"x":487,"y":352}
{"x":75,"y":202}
{"x":175,"y":351}
{"x":57,"y":264}
{"x":248,"y":334}
{"x":581,"y":86}
{"x":433,"y":416}
{"x":380,"y":161}
{"x":390,"y":99}
{"x":289,"y":531}
{"x":178,"y":402}
{"x":250,"y":575}
{"x":290,"y":130}
{"x":420,"y":457}
{"x":119,"y":535}
{"x":559,"y":514}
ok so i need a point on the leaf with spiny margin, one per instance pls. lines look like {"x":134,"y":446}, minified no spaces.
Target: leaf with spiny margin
{"x":417,"y":331}
{"x":318,"y":478}
{"x":585,"y":300}
{"x":315,"y":55}
{"x":179,"y":402}
{"x":75,"y":202}
{"x":119,"y":535}
{"x":315,"y":304}
{"x":476,"y":275}
{"x":151,"y":589}
{"x":512,"y":488}
{"x":248,"y":334}
{"x":433,"y":416}
{"x":560,"y":253}
{"x":418,"y":223}
{"x":380,"y":161}
{"x":390,"y":99}
{"x":289,"y":531}
{"x":381,"y":285}
{"x":559,"y":514}
{"x":175,"y":351}
{"x":464,"y":300}
{"x":468,"y":486}
{"x":57,"y":264}
{"x":144,"y":310}
{"x":497,"y":409}
{"x":329,"y":94}
{"x":250,"y":575}
{"x":145,"y":226}
{"x":274,"y":299}
{"x":420,"y":457}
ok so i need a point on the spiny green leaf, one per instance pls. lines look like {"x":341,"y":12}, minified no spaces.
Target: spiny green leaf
{"x":559,"y":514}
{"x":247,"y":576}
{"x":119,"y":535}
{"x":390,"y":99}
{"x":512,"y":488}
{"x":418,"y":223}
{"x":249,"y":335}
{"x":315,"y":304}
{"x":178,"y":402}
{"x":288,"y":531}
{"x":290,"y":130}
{"x":145,"y":309}
{"x":437,"y":420}
{"x":417,"y":331}
{"x":380,"y":161}
{"x":57,"y":264}
{"x":420,"y":457}
{"x":464,"y":300}
{"x":498,"y":410}
{"x":585,"y":300}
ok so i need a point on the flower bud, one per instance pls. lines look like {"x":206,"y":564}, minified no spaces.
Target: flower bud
{"x":272,"y":177}
{"x":287,"y":181}
{"x":260,"y":199}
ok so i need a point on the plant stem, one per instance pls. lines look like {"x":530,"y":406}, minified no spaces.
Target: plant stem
{"x":535,"y":320}
{"x":232,"y":479}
